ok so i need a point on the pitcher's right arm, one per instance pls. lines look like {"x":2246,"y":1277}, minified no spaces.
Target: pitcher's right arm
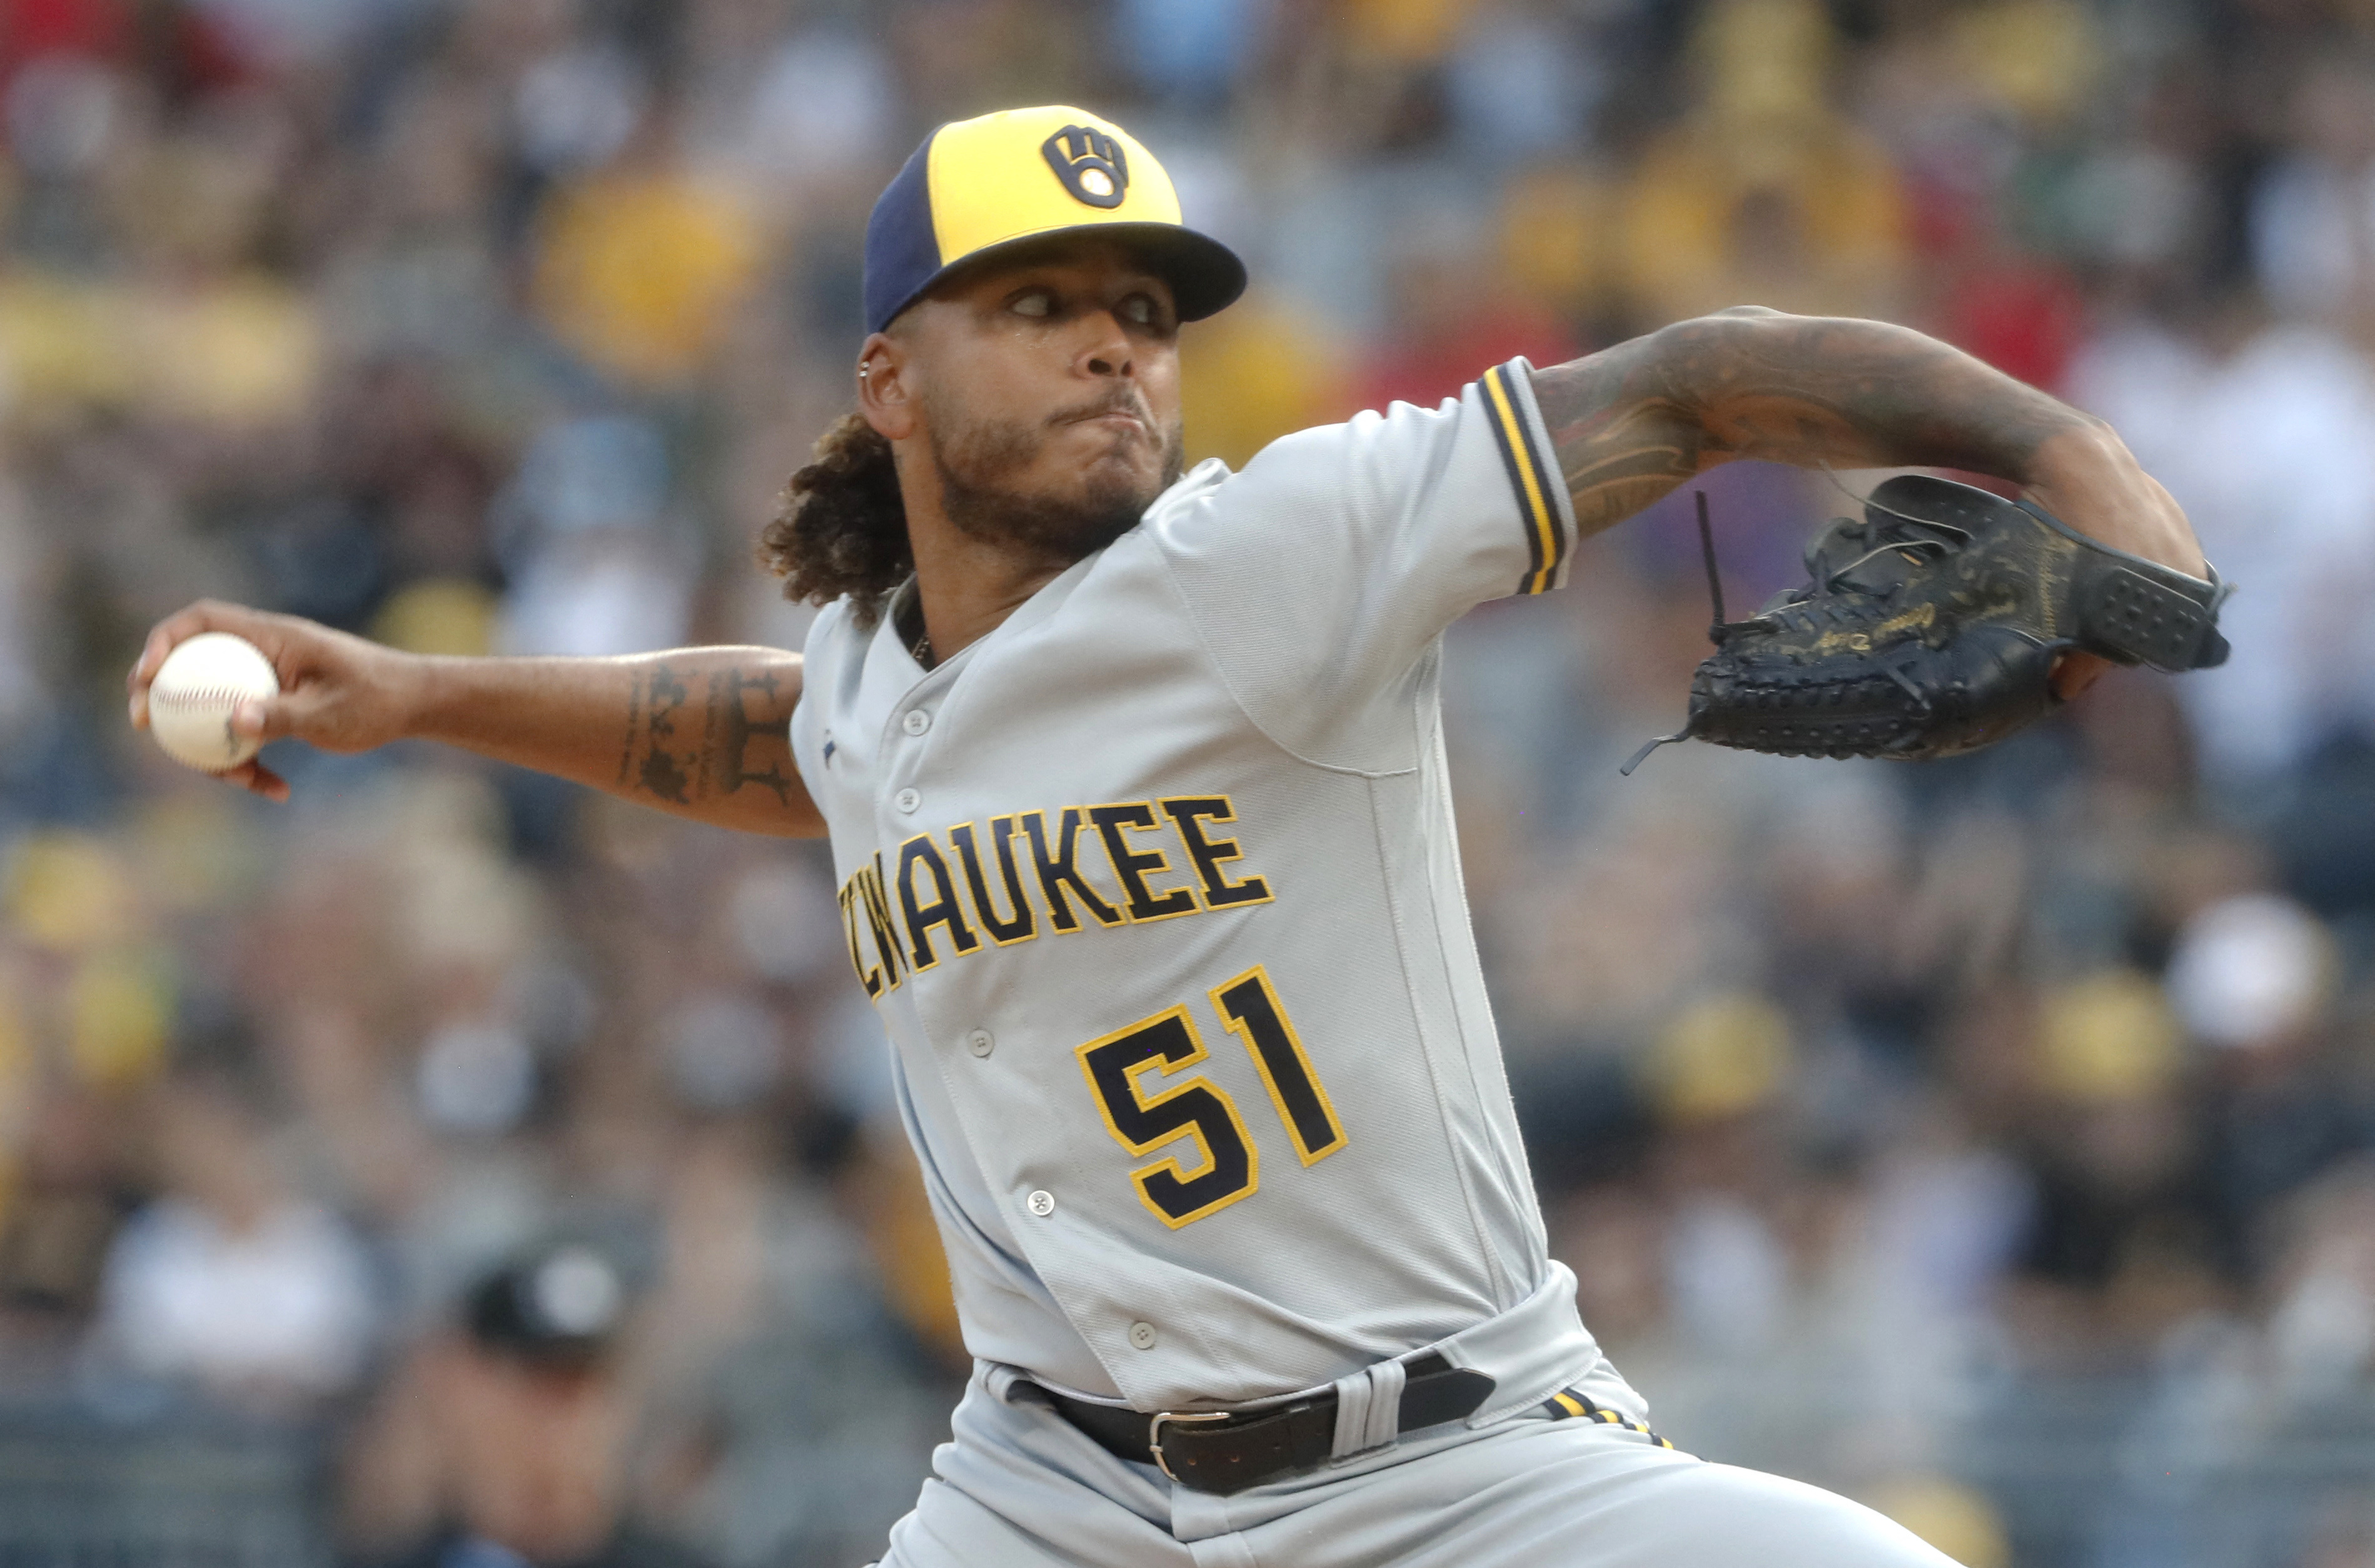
{"x":698,"y":733}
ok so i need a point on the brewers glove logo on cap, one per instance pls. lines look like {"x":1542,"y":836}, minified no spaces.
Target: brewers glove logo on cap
{"x":1091,"y":164}
{"x":977,"y":186}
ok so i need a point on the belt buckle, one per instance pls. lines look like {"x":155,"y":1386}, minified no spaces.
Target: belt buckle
{"x":1179,"y":1418}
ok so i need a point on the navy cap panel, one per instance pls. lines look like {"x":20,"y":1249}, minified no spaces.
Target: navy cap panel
{"x":1206,"y":277}
{"x":903,"y":254}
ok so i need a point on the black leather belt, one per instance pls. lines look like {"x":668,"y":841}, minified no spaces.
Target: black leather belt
{"x":1225,"y":1452}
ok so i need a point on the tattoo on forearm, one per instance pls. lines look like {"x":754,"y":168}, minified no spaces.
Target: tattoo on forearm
{"x":1633,"y":422}
{"x":688,"y":768}
{"x":661,"y":773}
{"x":634,"y":725}
{"x":730,"y":735}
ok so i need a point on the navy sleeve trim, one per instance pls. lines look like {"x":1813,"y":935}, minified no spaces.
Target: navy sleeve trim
{"x":1531,"y":477}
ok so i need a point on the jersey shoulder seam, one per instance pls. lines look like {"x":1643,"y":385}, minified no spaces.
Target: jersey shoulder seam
{"x":1236,"y":699}
{"x":1398,"y":919}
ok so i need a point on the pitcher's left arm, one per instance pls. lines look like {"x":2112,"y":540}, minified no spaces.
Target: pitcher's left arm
{"x":1632,"y":422}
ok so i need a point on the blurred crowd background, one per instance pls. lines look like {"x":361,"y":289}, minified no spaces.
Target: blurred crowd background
{"x":453,"y":1167}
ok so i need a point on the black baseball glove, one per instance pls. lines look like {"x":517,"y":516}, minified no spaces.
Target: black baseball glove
{"x":1930,"y":628}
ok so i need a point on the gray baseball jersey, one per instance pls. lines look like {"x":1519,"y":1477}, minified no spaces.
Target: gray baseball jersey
{"x":1156,"y":891}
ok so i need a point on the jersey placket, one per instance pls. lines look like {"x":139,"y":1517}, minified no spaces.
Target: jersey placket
{"x":903,"y":808}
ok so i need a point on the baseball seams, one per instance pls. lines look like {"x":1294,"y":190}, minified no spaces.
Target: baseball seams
{"x":195,"y":693}
{"x":196,"y":697}
{"x":204,"y":697}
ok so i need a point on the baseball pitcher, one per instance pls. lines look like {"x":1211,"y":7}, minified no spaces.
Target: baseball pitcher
{"x":1135,"y":784}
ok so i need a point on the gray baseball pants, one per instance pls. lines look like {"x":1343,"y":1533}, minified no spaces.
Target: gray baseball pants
{"x":1021,"y":1488}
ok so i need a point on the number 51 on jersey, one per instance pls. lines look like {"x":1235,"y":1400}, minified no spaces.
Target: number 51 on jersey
{"x":1119,"y":1064}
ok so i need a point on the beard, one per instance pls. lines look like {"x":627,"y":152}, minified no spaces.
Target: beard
{"x":979,"y":463}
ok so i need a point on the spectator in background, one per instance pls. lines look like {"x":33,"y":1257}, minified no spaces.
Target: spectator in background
{"x":228,"y":1281}
{"x":592,"y":567}
{"x":2312,"y":210}
{"x":1451,"y":308}
{"x":1189,"y":53}
{"x":2260,"y":428}
{"x":511,"y":1428}
{"x":809,"y":1356}
{"x":1764,"y":192}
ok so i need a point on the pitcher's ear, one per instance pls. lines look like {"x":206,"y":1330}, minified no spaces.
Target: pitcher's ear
{"x":884,"y":394}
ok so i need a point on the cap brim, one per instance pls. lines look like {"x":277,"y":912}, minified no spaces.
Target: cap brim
{"x":1206,"y":277}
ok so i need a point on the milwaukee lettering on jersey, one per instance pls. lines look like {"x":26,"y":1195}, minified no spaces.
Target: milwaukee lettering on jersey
{"x":1014,"y":879}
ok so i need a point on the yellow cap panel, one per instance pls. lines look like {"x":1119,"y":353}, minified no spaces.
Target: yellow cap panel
{"x":1025,"y":172}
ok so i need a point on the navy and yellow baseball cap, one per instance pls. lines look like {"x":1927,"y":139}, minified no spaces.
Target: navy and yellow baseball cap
{"x":980,"y":185}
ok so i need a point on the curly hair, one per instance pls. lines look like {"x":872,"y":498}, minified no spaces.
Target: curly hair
{"x":841,"y":528}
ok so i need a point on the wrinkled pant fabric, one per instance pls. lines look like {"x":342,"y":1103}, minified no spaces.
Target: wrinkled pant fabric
{"x":1021,"y":1487}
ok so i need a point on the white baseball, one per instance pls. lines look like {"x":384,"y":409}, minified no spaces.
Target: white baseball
{"x":190,"y":701}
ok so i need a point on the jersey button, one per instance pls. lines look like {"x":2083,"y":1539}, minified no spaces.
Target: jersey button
{"x":1143,"y":1336}
{"x":980,"y":1042}
{"x":1042,"y":1203}
{"x":916,"y":722}
{"x":907,"y":800}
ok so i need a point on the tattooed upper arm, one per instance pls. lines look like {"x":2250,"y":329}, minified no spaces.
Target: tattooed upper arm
{"x":704,"y":734}
{"x":1633,"y":421}
{"x":1620,"y":442}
